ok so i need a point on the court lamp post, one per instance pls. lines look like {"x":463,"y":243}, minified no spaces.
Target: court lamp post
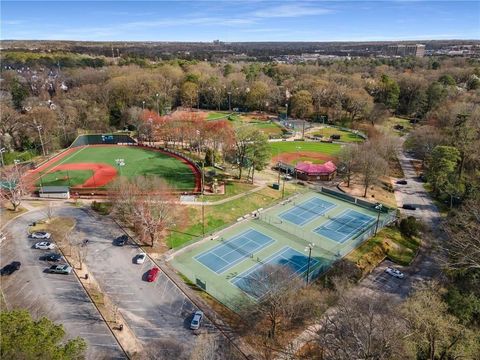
{"x":143,"y":105}
{"x":309,"y":248}
{"x":2,"y":150}
{"x":378,"y":207}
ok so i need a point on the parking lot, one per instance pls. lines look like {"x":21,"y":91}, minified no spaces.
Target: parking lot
{"x":379,"y":280}
{"x":60,"y":297}
{"x":153,"y":311}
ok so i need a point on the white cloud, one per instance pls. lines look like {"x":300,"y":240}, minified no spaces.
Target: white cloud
{"x":12,"y":22}
{"x":290,"y":11}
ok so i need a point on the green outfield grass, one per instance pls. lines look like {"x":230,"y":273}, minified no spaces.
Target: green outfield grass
{"x":345,"y":136}
{"x":138,"y":162}
{"x":65,"y":178}
{"x":294,"y":146}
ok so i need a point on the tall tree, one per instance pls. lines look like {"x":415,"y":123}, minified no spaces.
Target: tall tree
{"x":25,"y":338}
{"x":441,"y":166}
{"x":248,"y":143}
{"x":302,"y":106}
{"x":14,"y":185}
{"x":189,"y":94}
{"x":432,"y":332}
{"x":347,"y":162}
{"x":369,"y":164}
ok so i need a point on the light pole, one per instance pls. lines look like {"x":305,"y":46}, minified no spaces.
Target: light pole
{"x":229,"y":101}
{"x":16,"y":162}
{"x":309,"y":248}
{"x":158,"y":106}
{"x":286,"y":112}
{"x":2,"y":150}
{"x":203,"y":199}
{"x":143,"y":105}
{"x":378,"y":207}
{"x":39,"y":127}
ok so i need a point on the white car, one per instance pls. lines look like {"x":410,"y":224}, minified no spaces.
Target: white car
{"x":45,"y":245}
{"x":41,"y":235}
{"x":197,"y":320}
{"x":394,"y":272}
{"x":140,"y":258}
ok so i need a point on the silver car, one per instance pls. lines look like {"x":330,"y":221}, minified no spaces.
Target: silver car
{"x":394,"y":272}
{"x":60,"y":269}
{"x":197,"y":320}
{"x":41,"y":235}
{"x":45,"y":245}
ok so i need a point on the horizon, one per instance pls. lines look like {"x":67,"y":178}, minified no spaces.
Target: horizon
{"x":236,"y":21}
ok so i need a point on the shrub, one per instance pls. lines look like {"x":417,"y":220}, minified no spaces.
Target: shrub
{"x":409,"y":227}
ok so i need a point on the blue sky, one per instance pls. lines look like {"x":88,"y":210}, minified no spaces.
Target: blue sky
{"x":247,"y":20}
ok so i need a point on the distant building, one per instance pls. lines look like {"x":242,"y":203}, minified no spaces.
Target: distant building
{"x":401,"y":50}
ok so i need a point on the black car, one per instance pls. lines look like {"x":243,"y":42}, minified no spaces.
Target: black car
{"x":10,"y":268}
{"x":409,"y":207}
{"x":51,"y":257}
{"x":402,"y":182}
{"x":121,"y":240}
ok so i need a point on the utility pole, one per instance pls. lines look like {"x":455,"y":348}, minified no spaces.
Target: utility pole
{"x":39,"y":127}
{"x":2,"y":150}
{"x":158,"y":106}
{"x":203,"y":200}
{"x":229,"y":101}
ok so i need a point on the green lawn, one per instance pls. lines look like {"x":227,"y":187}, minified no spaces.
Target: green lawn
{"x":294,"y":146}
{"x":392,"y":121}
{"x":345,"y":136}
{"x":63,"y":177}
{"x":138,"y":162}
{"x":217,"y":115}
{"x":231,"y":189}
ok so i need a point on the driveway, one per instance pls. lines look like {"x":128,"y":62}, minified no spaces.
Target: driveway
{"x":153,"y":311}
{"x":59,"y":297}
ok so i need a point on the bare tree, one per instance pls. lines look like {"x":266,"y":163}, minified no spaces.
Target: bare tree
{"x":148,"y":205}
{"x":49,"y":211}
{"x":283,"y":303}
{"x":360,"y":328}
{"x":167,"y":349}
{"x":347,"y":162}
{"x":463,"y":228}
{"x":13,"y":186}
{"x":370,"y":165}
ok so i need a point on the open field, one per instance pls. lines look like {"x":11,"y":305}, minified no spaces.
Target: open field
{"x":292,"y":152}
{"x":345,"y":136}
{"x":268,"y":127}
{"x":96,"y":166}
{"x":392,"y":121}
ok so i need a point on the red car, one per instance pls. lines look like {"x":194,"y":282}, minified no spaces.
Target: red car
{"x":153,"y":274}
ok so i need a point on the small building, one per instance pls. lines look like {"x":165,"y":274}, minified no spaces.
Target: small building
{"x":54,"y":192}
{"x":315,"y":172}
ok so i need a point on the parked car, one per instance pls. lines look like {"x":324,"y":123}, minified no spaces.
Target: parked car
{"x":51,"y":257}
{"x":153,"y":274}
{"x":121,"y":240}
{"x":394,"y":272}
{"x":196,"y":320}
{"x":10,"y":268}
{"x":402,"y":182}
{"x":2,"y":237}
{"x":140,"y":258}
{"x":40,"y":235}
{"x":45,"y":245}
{"x":60,"y":269}
{"x":409,"y":207}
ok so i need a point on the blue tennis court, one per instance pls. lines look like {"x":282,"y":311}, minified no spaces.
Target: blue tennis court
{"x":306,"y":211}
{"x":222,"y":257}
{"x":345,"y":226}
{"x":257,"y":274}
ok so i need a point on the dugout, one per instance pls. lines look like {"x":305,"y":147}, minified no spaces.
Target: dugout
{"x":103,"y":139}
{"x":54,"y":192}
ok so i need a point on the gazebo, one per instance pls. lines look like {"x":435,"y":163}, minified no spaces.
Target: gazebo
{"x":314,"y":172}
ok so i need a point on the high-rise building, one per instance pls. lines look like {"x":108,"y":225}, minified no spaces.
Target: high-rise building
{"x":417,"y":50}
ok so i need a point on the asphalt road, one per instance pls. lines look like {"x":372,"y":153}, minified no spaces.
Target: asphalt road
{"x":157,"y":310}
{"x":60,"y":297}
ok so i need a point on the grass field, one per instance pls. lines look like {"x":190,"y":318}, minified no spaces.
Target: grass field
{"x":345,"y":136}
{"x":267,"y":127}
{"x":295,"y":146}
{"x":138,"y":162}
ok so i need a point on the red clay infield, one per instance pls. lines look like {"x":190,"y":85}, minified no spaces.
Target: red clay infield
{"x":102,"y":173}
